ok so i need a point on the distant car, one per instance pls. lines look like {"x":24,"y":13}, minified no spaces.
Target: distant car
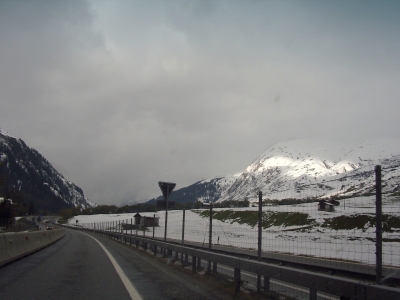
{"x":47,"y":221}
{"x":49,"y":228}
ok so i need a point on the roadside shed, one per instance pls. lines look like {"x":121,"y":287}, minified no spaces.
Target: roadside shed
{"x":328,"y":205}
{"x":146,"y":221}
{"x":321,"y":205}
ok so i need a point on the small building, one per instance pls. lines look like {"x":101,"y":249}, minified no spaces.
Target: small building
{"x":327,"y":205}
{"x":334,"y":202}
{"x":145,"y":221}
{"x":321,"y":205}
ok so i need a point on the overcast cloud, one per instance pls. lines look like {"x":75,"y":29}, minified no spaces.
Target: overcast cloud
{"x":119,"y":95}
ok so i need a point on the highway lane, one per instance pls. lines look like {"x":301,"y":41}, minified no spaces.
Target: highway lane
{"x":77,"y":267}
{"x":72,"y":268}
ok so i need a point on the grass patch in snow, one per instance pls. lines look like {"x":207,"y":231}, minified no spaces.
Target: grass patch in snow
{"x":269,"y":219}
{"x":362,"y":222}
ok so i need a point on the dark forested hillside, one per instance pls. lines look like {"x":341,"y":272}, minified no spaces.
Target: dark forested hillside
{"x":28,"y":178}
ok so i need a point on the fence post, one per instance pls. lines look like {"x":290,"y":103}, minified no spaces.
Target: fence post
{"x":259,"y":237}
{"x":210,"y":232}
{"x":378,"y":181}
{"x":183,"y":227}
{"x":166,"y":214}
{"x":210,"y":237}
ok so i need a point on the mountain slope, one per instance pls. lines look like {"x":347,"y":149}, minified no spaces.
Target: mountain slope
{"x":204,"y":190}
{"x":26,"y":173}
{"x":304,"y":169}
{"x":327,"y":169}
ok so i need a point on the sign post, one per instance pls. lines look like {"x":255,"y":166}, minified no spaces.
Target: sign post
{"x":166,"y":189}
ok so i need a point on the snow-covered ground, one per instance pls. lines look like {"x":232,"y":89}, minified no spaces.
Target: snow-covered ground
{"x":317,"y":241}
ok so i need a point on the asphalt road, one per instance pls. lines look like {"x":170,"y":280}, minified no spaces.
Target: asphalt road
{"x":77,"y":267}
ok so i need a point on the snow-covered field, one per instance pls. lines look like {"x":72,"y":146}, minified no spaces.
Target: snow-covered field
{"x":356,"y":244}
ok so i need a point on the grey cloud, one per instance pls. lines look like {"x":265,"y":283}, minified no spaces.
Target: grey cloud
{"x":119,"y":95}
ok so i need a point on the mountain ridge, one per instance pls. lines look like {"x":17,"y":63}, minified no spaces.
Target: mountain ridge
{"x":323,"y":168}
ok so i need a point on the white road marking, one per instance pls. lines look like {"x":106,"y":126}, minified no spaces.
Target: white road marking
{"x":128,"y":285}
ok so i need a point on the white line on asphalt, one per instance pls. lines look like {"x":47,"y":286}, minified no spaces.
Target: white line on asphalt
{"x":128,"y":285}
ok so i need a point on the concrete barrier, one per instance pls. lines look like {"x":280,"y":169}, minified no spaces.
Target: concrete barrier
{"x":16,"y":245}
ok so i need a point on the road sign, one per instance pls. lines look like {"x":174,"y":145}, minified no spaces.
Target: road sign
{"x":163,"y":204}
{"x":166,"y":188}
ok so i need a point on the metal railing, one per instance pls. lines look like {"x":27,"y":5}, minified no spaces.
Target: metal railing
{"x":314,"y":282}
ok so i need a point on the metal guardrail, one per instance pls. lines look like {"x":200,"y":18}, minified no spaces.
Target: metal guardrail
{"x":343,"y":287}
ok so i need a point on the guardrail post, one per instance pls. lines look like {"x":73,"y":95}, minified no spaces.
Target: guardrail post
{"x":199,"y":263}
{"x":313,"y":294}
{"x":215,"y":267}
{"x":155,"y":250}
{"x":194,"y":264}
{"x":266,"y":283}
{"x":236,"y":278}
{"x":378,"y":185}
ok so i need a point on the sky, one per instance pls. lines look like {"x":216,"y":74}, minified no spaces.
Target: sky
{"x":119,"y":95}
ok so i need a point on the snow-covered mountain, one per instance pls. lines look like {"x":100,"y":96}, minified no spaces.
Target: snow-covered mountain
{"x":314,"y":168}
{"x":27,"y":175}
{"x":310,"y":168}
